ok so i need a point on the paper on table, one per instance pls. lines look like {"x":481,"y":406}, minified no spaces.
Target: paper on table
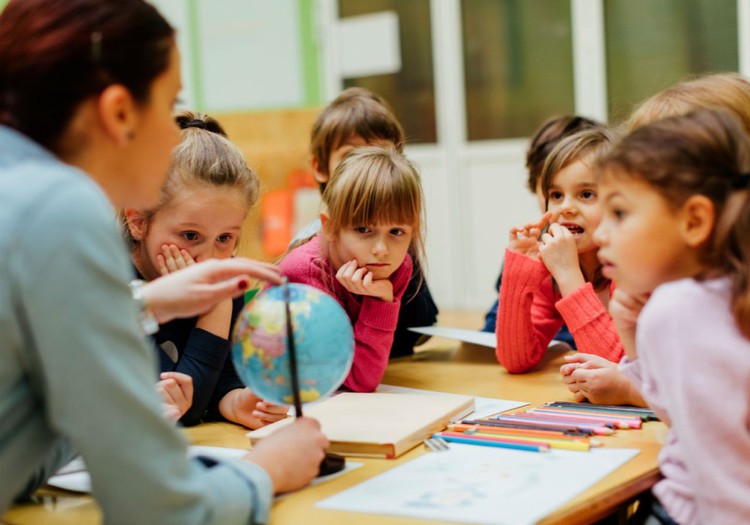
{"x":75,"y":477}
{"x":487,"y":485}
{"x":483,"y":406}
{"x":476,"y":337}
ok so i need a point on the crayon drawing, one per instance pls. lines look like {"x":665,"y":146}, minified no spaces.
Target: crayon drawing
{"x":473,"y":484}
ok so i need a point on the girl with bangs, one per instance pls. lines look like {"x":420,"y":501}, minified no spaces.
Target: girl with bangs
{"x":552,"y":273}
{"x":371,"y":221}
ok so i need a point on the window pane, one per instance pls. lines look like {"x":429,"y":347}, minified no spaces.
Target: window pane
{"x":410,"y":92}
{"x":518,"y":65}
{"x":653,"y":44}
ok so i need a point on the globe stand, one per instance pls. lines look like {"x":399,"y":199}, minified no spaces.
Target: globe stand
{"x":331,"y":463}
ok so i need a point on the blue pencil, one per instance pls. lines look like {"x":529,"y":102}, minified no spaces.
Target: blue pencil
{"x":487,"y":443}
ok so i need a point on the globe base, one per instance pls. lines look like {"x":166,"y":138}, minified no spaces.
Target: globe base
{"x":331,"y":464}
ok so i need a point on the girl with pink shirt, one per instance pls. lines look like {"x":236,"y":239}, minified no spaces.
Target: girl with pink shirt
{"x":676,"y":226}
{"x":552,"y":275}
{"x":371,"y":218}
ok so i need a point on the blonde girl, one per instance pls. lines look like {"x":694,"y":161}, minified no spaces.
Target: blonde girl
{"x":552,"y":275}
{"x":371,"y":218}
{"x":203,"y":203}
{"x":676,"y":225}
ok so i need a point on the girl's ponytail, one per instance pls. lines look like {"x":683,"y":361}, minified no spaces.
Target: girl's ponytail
{"x":732,"y":243}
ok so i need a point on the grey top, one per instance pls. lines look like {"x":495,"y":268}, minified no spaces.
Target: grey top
{"x":75,"y":366}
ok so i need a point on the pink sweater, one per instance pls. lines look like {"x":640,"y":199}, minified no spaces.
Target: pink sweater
{"x":531,"y":312}
{"x":374,"y":321}
{"x":693,"y":369}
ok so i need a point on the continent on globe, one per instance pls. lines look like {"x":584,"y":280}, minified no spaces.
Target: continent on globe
{"x":323,"y":339}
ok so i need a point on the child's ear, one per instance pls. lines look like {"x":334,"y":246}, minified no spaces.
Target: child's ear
{"x":698,"y":218}
{"x":136,"y":223}
{"x":325,"y":225}
{"x":320,"y":177}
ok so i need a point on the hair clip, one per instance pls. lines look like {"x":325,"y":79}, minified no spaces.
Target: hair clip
{"x":194,"y":123}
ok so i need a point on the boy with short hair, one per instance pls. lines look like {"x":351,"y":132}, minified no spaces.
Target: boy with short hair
{"x":358,"y":117}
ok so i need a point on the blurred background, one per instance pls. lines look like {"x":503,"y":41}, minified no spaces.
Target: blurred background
{"x":469,"y":79}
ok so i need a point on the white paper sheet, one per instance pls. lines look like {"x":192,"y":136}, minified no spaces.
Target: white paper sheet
{"x":75,"y":477}
{"x":484,"y":485}
{"x":476,"y":337}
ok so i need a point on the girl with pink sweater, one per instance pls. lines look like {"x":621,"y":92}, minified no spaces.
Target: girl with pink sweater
{"x":371,"y":218}
{"x":552,"y":274}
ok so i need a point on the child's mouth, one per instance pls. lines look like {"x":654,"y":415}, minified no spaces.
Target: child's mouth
{"x":575,"y":229}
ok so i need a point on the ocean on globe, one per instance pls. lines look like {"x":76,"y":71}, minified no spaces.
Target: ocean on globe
{"x":323,"y":341}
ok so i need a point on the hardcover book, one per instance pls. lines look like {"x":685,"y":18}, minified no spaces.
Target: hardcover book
{"x":379,"y":424}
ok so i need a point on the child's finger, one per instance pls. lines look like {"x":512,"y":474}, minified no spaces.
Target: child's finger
{"x":169,"y":258}
{"x":267,"y":418}
{"x":351,"y":267}
{"x":343,"y":269}
{"x":189,"y":261}
{"x":541,"y":223}
{"x":358,"y":275}
{"x":270,"y":408}
{"x":162,"y":265}
{"x":367,"y":281}
{"x":179,"y":260}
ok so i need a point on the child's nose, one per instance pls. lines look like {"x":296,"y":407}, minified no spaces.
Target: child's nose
{"x":568,"y":206}
{"x":380,"y":247}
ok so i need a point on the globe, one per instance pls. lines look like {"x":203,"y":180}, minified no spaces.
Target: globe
{"x":323,"y":341}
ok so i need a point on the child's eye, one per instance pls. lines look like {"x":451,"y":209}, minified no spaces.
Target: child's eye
{"x":362,"y":229}
{"x":190,"y":236}
{"x":224,"y":238}
{"x":588,"y":194}
{"x":555,"y":195}
{"x":398,"y":232}
{"x":617,"y":213}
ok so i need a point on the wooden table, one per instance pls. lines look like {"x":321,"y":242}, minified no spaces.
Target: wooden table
{"x":443,"y":366}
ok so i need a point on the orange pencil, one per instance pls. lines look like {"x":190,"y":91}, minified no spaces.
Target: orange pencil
{"x":553,"y":434}
{"x":578,"y":445}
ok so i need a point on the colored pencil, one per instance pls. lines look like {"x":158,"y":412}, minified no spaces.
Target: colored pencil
{"x":601,"y":430}
{"x":553,"y":434}
{"x":571,"y":420}
{"x":633,"y":418}
{"x":489,"y":443}
{"x":567,"y":429}
{"x":645,"y":413}
{"x":564,"y":444}
{"x":589,"y":417}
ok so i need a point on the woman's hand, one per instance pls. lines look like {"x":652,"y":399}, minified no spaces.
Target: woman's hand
{"x":361,"y":282}
{"x":197,"y":288}
{"x":292,"y":455}
{"x":242,"y":406}
{"x":176,"y":390}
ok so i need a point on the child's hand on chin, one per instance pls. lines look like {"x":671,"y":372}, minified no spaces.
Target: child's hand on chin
{"x":172,"y":258}
{"x":360,"y":281}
